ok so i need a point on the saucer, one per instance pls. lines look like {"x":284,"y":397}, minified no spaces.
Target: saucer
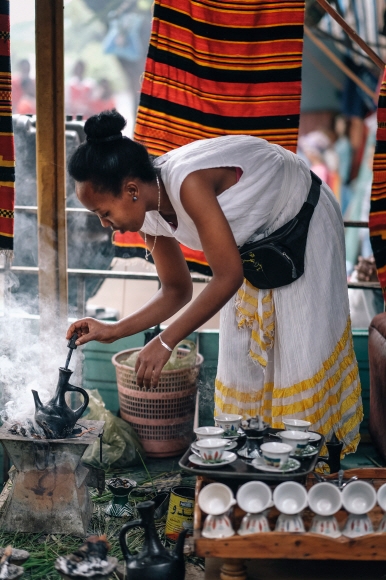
{"x":291,"y":465}
{"x":227,"y":457}
{"x":309,"y":451}
{"x":230,"y":445}
{"x":240,"y":433}
{"x":314,"y":436}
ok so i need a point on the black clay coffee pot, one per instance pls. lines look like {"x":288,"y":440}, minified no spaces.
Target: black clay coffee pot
{"x":56,"y":418}
{"x":155,"y":562}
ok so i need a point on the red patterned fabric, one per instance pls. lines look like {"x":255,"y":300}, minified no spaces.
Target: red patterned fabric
{"x":221,"y":68}
{"x":7,"y":152}
{"x":377,"y":218}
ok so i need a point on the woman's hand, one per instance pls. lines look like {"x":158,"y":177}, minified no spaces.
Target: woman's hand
{"x":150,"y":362}
{"x":366,"y":269}
{"x":91,"y":329}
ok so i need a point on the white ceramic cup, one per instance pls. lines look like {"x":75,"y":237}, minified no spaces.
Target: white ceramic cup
{"x":208,"y":432}
{"x":381,"y":497}
{"x":297,"y":439}
{"x":292,"y":523}
{"x":357,"y":525}
{"x":228,"y":422}
{"x":253,"y":524}
{"x":296,"y":424}
{"x":216,"y":499}
{"x":290,"y":497}
{"x":275,"y":454}
{"x":325,"y":526}
{"x":217,"y":527}
{"x":211,"y":450}
{"x":254,"y":497}
{"x":324,"y":499}
{"x":359,"y":497}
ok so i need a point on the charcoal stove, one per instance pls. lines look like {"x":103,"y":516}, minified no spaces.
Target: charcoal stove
{"x":49,"y":492}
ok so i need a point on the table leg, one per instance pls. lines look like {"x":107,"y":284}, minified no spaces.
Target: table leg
{"x":233,"y":569}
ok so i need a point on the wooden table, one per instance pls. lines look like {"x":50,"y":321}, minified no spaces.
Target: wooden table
{"x":291,"y":546}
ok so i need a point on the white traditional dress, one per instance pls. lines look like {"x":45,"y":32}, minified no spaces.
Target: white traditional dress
{"x":286,"y":352}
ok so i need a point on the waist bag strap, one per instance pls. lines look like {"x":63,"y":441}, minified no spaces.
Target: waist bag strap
{"x":314,"y":193}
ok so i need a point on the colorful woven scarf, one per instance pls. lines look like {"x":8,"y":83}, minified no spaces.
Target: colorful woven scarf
{"x":7,"y":152}
{"x":377,"y":219}
{"x":217,"y":68}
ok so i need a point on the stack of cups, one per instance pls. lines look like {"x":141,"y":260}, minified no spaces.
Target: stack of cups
{"x":216,"y":499}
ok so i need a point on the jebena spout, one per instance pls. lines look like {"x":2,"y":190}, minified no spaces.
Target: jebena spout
{"x":179,"y":549}
{"x":38,"y":403}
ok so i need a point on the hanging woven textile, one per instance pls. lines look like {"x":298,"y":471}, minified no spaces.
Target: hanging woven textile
{"x":7,"y":152}
{"x":377,"y":218}
{"x":220,"y":68}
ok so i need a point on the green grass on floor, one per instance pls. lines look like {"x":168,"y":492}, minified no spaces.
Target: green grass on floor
{"x":155,"y":475}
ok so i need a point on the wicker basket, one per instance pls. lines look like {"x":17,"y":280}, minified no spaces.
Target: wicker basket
{"x":163,"y":418}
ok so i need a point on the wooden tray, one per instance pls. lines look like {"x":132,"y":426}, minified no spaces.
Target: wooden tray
{"x":240,"y":470}
{"x":287,"y":545}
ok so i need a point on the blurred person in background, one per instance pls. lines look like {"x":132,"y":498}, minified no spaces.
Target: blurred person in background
{"x":19,"y":78}
{"x":27,"y":101}
{"x":343,"y":149}
{"x":103,"y":96}
{"x":313,"y":148}
{"x":79,"y":95}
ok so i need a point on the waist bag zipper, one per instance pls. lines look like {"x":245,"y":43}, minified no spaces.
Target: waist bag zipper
{"x":294,"y":273}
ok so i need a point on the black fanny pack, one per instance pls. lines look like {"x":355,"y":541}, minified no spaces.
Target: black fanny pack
{"x":278,"y":259}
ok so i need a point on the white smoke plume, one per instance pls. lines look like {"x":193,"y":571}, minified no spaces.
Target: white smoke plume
{"x":26,"y":360}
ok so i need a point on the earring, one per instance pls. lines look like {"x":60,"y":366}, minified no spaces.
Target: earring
{"x":135,"y":198}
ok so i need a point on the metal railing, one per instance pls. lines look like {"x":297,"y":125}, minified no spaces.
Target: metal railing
{"x":83,"y":274}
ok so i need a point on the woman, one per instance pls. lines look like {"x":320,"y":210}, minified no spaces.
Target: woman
{"x":283,"y":352}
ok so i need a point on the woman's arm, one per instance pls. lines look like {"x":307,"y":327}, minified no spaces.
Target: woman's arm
{"x":174,"y":293}
{"x":198,"y":196}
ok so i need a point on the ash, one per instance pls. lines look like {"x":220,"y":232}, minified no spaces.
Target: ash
{"x":90,"y":560}
{"x":28,"y":429}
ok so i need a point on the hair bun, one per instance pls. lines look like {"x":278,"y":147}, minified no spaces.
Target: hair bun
{"x":105,"y":124}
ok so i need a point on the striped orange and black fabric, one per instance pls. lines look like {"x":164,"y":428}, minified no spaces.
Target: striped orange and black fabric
{"x":377,"y":218}
{"x":221,"y":67}
{"x":7,"y":153}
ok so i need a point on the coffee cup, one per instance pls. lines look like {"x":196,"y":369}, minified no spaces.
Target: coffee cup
{"x":254,"y":497}
{"x":216,"y":499}
{"x":359,"y":497}
{"x":324,"y":499}
{"x":208,"y":432}
{"x":297,"y":439}
{"x":229,"y":422}
{"x":290,"y":498}
{"x":296,"y":424}
{"x":211,"y":450}
{"x":275,"y":454}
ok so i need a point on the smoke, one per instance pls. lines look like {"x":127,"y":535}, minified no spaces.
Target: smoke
{"x":28,"y":360}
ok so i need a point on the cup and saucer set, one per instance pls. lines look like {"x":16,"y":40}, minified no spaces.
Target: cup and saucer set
{"x":286,"y":456}
{"x":219,"y":446}
{"x":214,"y":445}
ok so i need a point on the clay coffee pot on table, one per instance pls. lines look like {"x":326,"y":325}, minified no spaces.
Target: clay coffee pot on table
{"x":155,"y":561}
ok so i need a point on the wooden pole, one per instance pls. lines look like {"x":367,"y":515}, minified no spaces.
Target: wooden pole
{"x":339,"y":63}
{"x":352,"y":34}
{"x":50,"y":165}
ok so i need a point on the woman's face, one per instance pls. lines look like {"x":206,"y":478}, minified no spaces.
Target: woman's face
{"x":121,"y":213}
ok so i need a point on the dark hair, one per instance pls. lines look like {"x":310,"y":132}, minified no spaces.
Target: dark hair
{"x":106,"y":158}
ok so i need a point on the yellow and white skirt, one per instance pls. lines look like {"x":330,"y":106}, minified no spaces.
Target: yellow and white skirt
{"x":288,"y":352}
